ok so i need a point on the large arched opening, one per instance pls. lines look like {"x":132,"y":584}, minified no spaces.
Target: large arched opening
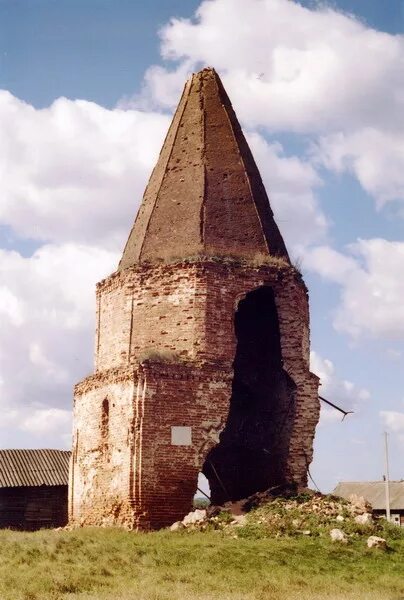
{"x":252,"y":451}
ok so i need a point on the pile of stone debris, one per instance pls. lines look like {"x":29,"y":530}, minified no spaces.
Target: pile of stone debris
{"x":307,"y":513}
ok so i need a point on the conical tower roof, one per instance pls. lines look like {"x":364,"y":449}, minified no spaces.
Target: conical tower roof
{"x":205,"y":196}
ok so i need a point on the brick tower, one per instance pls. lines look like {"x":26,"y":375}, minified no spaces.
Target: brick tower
{"x":202,"y":339}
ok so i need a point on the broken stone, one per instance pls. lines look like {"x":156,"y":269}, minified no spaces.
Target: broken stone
{"x":338,"y":536}
{"x":365,"y":519}
{"x":176,"y":526}
{"x":376,"y":542}
{"x":193,"y":517}
{"x":339,"y":518}
{"x":239,"y":520}
{"x":359,"y":504}
{"x":306,"y":532}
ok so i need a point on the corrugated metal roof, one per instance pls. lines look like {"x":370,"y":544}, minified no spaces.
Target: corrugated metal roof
{"x":22,"y":468}
{"x":374,"y":492}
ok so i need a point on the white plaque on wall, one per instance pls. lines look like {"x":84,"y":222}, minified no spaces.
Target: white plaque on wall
{"x":181,"y":436}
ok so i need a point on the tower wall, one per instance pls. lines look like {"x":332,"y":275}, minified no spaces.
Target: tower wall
{"x":175,"y":371}
{"x":135,"y":476}
{"x":148,"y":311}
{"x":202,"y":342}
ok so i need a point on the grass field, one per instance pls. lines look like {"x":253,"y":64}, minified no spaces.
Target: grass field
{"x":117,"y":565}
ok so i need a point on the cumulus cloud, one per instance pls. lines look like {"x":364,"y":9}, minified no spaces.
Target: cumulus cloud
{"x":339,"y":391}
{"x":393,"y":420}
{"x":372,"y":286}
{"x":47,"y":308}
{"x":291,"y":183}
{"x":289,"y":67}
{"x":36,"y":424}
{"x":73,"y":174}
{"x":375,"y":157}
{"x":311,"y":71}
{"x":74,"y":171}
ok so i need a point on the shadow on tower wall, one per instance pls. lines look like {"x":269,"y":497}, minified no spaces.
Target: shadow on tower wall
{"x":252,"y":452}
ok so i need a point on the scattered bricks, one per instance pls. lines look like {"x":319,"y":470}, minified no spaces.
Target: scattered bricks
{"x":177,"y":526}
{"x":365,"y":519}
{"x":359,"y":505}
{"x":193,"y":517}
{"x":376,"y":542}
{"x":338,"y":536}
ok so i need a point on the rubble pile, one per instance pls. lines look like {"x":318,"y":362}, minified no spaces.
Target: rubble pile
{"x":308,"y":514}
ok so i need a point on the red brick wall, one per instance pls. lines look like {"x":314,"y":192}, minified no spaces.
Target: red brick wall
{"x":143,"y":311}
{"x":178,"y":320}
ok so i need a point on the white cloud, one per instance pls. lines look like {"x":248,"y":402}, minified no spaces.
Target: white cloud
{"x":42,"y":421}
{"x":375,"y":157}
{"x":372,"y":286}
{"x":74,"y":171}
{"x":393,"y":420}
{"x":46,"y":343}
{"x":37,"y":425}
{"x":73,"y":174}
{"x":287,"y":66}
{"x":341,"y":392}
{"x":291,"y":183}
{"x":330,"y":263}
{"x":290,"y":68}
{"x":10,"y":306}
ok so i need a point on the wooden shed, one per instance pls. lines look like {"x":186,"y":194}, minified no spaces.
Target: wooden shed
{"x":33,"y":488}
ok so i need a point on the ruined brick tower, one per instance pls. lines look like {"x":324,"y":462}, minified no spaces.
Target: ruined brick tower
{"x":202,"y":340}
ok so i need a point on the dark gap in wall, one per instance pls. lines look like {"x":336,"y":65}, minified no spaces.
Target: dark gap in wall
{"x":252,"y":453}
{"x":105,"y":421}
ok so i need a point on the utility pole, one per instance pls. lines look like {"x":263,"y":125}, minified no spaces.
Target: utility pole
{"x":387,"y":478}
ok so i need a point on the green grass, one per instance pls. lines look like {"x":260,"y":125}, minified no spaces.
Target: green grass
{"x":113,"y":564}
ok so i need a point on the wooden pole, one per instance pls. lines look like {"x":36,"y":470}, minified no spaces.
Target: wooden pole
{"x":387,"y":478}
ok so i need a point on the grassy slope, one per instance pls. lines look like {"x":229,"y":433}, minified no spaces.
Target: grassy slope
{"x":114,"y":564}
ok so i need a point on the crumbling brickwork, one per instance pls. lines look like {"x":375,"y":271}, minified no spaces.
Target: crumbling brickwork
{"x":202,"y":342}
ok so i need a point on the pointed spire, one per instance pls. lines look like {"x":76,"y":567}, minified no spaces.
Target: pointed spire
{"x":205,"y":196}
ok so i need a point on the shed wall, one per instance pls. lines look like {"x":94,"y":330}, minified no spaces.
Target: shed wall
{"x":31,"y":508}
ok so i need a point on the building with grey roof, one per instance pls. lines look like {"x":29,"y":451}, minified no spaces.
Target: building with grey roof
{"x":375,"y":493}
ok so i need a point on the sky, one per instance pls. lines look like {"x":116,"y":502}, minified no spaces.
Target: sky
{"x":87,"y":90}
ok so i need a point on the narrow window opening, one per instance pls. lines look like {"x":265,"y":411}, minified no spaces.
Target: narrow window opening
{"x":252,"y":453}
{"x":105,"y":421}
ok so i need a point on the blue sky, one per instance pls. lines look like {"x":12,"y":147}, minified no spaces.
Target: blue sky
{"x":319,"y":89}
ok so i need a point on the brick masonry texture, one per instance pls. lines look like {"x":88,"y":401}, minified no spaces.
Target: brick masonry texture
{"x":174,"y":371}
{"x":205,"y":195}
{"x":205,"y":325}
